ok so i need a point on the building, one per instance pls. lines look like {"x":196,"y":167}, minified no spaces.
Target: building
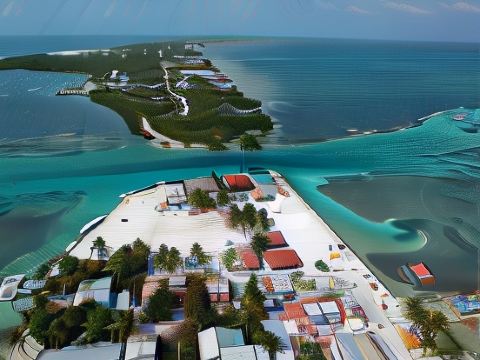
{"x":100,"y":291}
{"x":227,"y":344}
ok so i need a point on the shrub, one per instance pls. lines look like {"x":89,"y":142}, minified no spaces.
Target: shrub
{"x":320,"y":265}
{"x":68,"y":265}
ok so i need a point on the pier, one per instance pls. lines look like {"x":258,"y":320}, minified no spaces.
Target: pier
{"x":64,"y":92}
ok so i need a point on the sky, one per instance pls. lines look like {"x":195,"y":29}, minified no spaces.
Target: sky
{"x":430,"y":20}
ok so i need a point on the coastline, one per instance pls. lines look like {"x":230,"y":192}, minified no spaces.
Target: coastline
{"x":354,"y":269}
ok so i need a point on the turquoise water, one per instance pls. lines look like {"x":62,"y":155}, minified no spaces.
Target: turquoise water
{"x":375,"y":191}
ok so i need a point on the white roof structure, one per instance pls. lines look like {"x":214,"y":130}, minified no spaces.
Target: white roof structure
{"x":277,"y":327}
{"x":98,"y":290}
{"x":206,"y":343}
{"x":291,"y":326}
{"x":312,"y":309}
{"x":140,"y":350}
{"x":9,"y":287}
{"x":329,"y":307}
{"x":245,"y":352}
{"x":98,"y":351}
{"x":175,"y":193}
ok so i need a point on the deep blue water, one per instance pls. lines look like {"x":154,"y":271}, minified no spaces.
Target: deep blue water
{"x":58,"y":183}
{"x":320,"y":88}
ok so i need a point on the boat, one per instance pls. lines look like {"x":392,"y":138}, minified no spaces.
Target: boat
{"x":416,"y":274}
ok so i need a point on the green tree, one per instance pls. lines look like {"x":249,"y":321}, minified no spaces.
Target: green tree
{"x":270,"y":342}
{"x":174,"y":260}
{"x":259,"y":244}
{"x":249,"y":216}
{"x":58,"y":333}
{"x":235,"y":217}
{"x":223,"y":198}
{"x":141,"y":249}
{"x":139,"y":256}
{"x":68,"y":265}
{"x":262,"y":221}
{"x":159,"y":305}
{"x":97,"y":321}
{"x":197,"y":302}
{"x":197,"y":252}
{"x":123,"y":325}
{"x":39,"y":323}
{"x":429,"y":322}
{"x":161,"y":258}
{"x":99,"y":243}
{"x":201,"y":199}
{"x":41,"y":271}
{"x":311,"y":351}
{"x":74,"y":316}
{"x":245,"y":219}
{"x":229,"y":257}
{"x":249,"y":142}
{"x":252,"y":309}
{"x":119,"y":263}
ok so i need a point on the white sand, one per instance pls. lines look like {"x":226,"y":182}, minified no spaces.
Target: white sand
{"x":160,"y":137}
{"x":302,"y":228}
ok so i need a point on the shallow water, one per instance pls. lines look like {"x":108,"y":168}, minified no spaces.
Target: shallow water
{"x":59,"y":183}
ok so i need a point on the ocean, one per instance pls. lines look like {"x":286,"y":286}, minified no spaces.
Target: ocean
{"x":381,"y":193}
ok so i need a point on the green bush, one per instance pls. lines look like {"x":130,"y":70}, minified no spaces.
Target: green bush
{"x":320,"y":265}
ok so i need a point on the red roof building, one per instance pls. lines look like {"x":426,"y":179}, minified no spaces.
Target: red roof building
{"x":249,"y":259}
{"x":238,"y":182}
{"x":276,"y":239}
{"x":294,"y":310}
{"x":423,"y":273}
{"x":282,"y":259}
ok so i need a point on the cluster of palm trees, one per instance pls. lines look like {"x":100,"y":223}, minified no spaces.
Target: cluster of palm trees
{"x":429,"y":323}
{"x":167,"y":259}
{"x":249,"y":220}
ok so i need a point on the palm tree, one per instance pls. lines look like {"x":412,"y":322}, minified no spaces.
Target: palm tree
{"x":428,"y":322}
{"x":99,"y":244}
{"x":161,"y":258}
{"x":119,"y":263}
{"x":197,"y":252}
{"x":123,"y":325}
{"x":270,"y":342}
{"x":173,"y":261}
{"x":259,"y":244}
{"x":57,"y":333}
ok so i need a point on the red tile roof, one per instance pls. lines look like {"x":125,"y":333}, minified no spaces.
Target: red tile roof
{"x":276,"y":239}
{"x":294,"y":310}
{"x":282,"y":259}
{"x":239,"y":182}
{"x":250,"y":260}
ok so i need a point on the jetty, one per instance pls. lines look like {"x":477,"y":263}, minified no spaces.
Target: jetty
{"x":64,"y":92}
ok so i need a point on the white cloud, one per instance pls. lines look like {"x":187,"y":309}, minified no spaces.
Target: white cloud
{"x":405,"y":7}
{"x":8,"y":8}
{"x":462,"y":6}
{"x":357,"y":10}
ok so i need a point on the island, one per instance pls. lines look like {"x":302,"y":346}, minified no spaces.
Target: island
{"x":165,"y":91}
{"x":207,"y":268}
